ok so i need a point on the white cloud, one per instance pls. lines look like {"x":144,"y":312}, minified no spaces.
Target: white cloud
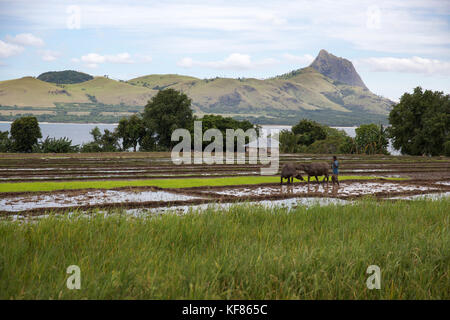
{"x":119,"y":58}
{"x":407,"y":65}
{"x":186,"y":63}
{"x":26,"y":39}
{"x":305,"y":59}
{"x":49,"y":55}
{"x":9,"y":49}
{"x":144,"y":58}
{"x":92,"y":60}
{"x":235,"y":61}
{"x":409,"y":27}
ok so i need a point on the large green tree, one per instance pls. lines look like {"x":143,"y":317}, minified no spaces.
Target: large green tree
{"x":165,"y":112}
{"x":131,"y":130}
{"x":309,"y":131}
{"x":311,"y":137}
{"x":212,"y":121}
{"x":288,"y":142}
{"x":5,"y":142}
{"x":25,"y":133}
{"x":106,"y":142}
{"x":420,"y":122}
{"x":371,"y":139}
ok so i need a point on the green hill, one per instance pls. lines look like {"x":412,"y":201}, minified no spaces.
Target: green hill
{"x":302,"y":93}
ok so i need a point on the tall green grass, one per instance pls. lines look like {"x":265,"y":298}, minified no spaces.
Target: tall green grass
{"x":162,"y":183}
{"x":245,"y":252}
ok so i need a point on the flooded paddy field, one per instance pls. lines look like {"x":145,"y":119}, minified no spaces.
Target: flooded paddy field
{"x":421,"y":176}
{"x":92,"y":198}
{"x":346,"y":189}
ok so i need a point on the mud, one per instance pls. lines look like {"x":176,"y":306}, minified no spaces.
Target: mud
{"x":89,"y":198}
{"x":347,"y":189}
{"x":289,"y":204}
{"x":432,"y":196}
{"x":33,"y":203}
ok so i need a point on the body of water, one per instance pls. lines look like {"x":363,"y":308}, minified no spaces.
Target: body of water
{"x":79,"y":133}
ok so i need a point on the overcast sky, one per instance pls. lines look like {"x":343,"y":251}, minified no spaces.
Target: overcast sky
{"x":394,"y":45}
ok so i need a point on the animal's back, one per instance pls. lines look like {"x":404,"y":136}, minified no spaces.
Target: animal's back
{"x":318,"y":168}
{"x":288,"y":170}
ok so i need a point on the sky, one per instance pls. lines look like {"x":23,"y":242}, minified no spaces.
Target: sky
{"x":394,"y":45}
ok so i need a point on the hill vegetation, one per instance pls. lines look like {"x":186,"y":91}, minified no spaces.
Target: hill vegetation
{"x":65,"y":77}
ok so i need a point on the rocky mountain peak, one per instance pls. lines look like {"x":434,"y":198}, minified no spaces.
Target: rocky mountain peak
{"x":337,"y":68}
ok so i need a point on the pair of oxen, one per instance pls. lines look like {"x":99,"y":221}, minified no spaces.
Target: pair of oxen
{"x":315,"y":169}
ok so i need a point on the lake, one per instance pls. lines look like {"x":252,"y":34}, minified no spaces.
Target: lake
{"x":79,"y":132}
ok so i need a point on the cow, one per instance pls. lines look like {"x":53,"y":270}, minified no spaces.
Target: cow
{"x":289,"y":171}
{"x":315,"y":169}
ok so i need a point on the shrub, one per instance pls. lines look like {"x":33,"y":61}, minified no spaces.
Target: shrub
{"x":447,"y":148}
{"x":53,"y":145}
{"x":5,"y":142}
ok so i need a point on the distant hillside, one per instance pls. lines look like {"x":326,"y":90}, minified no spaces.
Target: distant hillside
{"x":65,"y":77}
{"x":303,"y":93}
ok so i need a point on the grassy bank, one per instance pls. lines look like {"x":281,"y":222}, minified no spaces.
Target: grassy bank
{"x":162,"y":183}
{"x":246,"y":252}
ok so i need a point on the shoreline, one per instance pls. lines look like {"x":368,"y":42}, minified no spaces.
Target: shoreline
{"x":89,"y":123}
{"x":98,"y":123}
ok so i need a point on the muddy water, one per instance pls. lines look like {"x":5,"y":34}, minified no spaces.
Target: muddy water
{"x":201,"y":197}
{"x":347,"y":189}
{"x":97,"y":197}
{"x":431,"y":196}
{"x":289,"y":204}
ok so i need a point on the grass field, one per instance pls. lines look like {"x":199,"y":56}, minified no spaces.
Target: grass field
{"x":246,"y":252}
{"x":162,"y":183}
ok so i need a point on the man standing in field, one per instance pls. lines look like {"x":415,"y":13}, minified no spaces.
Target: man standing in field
{"x":335,"y":167}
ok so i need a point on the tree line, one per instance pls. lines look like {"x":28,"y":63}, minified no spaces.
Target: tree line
{"x":311,"y":137}
{"x":419,"y":125}
{"x":150,"y":130}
